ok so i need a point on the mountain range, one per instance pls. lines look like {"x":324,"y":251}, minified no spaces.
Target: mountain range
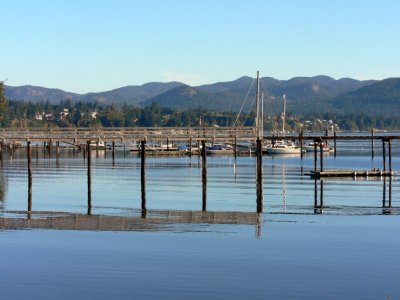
{"x":304,"y":95}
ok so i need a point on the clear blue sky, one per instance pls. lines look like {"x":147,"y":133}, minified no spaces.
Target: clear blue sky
{"x":97,"y":45}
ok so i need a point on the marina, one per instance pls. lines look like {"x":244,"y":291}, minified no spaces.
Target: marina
{"x":184,"y":219}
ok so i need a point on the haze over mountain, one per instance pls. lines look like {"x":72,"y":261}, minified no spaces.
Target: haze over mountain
{"x":304,"y":95}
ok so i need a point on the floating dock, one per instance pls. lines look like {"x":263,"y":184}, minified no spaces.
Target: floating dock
{"x":351,"y":173}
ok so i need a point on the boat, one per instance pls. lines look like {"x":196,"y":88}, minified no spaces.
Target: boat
{"x":325,"y":148}
{"x":219,"y":149}
{"x":97,"y":145}
{"x":283,"y":147}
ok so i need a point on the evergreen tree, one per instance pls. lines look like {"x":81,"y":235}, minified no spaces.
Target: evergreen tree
{"x":4,"y":116}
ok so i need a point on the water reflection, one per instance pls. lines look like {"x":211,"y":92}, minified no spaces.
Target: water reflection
{"x":386,"y":196}
{"x":154,"y":220}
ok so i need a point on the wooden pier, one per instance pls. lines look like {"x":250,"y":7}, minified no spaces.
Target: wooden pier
{"x":350,"y":173}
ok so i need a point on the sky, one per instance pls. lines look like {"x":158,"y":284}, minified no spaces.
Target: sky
{"x":86,"y":46}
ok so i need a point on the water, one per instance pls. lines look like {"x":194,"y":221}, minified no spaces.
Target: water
{"x":348,"y":249}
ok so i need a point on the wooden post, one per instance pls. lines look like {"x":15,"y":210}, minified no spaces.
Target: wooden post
{"x":301,"y":144}
{"x":204,"y":175}
{"x":89,"y":179}
{"x":167,"y":144}
{"x":58,"y":149}
{"x":50,"y":148}
{"x":315,"y":193}
{"x":113,"y":150}
{"x":29,"y":155}
{"x":73,"y":147}
{"x":334,"y":144}
{"x":259,"y":183}
{"x":37,"y":151}
{"x":321,"y":156}
{"x":315,"y":155}
{"x":390,"y":156}
{"x":190,"y":147}
{"x":384,"y":154}
{"x":235,"y":146}
{"x":44,"y":149}
{"x":143,"y":172}
{"x":372,"y":144}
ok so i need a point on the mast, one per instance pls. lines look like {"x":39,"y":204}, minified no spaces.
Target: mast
{"x":258,"y":118}
{"x":284,"y":114}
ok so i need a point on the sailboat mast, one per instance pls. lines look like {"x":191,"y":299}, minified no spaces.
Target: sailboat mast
{"x":284,"y":114}
{"x":258,"y":105}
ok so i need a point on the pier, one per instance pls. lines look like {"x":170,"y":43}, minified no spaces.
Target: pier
{"x":83,"y":138}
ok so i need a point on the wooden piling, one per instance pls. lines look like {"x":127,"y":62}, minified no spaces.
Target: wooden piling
{"x":301,"y":144}
{"x":321,"y":156}
{"x":50,"y":148}
{"x":204,"y":175}
{"x":334,"y":144}
{"x":190,"y":147}
{"x":384,"y":154}
{"x":143,"y":172}
{"x":259,"y":183}
{"x":235,"y":146}
{"x":390,"y":155}
{"x":58,"y":149}
{"x":372,"y":144}
{"x":113,"y":150}
{"x":315,"y":156}
{"x":29,"y":156}
{"x":89,"y":178}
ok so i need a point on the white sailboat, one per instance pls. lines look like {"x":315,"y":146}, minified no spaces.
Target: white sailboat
{"x":283,"y":147}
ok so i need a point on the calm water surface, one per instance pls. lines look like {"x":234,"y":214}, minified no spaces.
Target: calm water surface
{"x":348,"y":249}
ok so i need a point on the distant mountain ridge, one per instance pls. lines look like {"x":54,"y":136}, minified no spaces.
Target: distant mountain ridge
{"x":304,"y":94}
{"x":127,"y":94}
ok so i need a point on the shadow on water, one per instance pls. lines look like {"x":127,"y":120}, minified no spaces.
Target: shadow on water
{"x":386,"y":209}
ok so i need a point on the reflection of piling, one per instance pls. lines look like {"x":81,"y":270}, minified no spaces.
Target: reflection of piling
{"x":143,"y":172}
{"x":204,"y":175}
{"x":389,"y":204}
{"x":259,"y":185}
{"x":89,"y":178}
{"x":318,"y":206}
{"x":29,"y":155}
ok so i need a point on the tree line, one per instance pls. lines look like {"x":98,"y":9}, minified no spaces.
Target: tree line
{"x":21,"y":114}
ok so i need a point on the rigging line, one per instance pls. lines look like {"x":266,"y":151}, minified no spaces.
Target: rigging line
{"x":245,"y":99}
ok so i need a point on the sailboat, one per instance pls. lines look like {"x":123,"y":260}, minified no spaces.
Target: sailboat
{"x":283,"y":147}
